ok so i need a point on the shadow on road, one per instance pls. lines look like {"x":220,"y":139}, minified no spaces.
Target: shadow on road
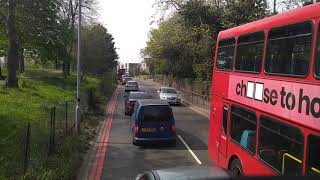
{"x":192,"y":141}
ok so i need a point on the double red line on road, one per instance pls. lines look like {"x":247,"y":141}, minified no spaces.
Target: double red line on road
{"x":96,"y":168}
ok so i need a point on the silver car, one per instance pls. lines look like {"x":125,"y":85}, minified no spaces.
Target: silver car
{"x":170,"y":95}
{"x":131,"y":86}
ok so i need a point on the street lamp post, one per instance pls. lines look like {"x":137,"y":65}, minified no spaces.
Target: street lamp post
{"x":77,"y":123}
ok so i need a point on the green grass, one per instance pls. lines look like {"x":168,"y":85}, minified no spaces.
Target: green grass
{"x":37,"y":91}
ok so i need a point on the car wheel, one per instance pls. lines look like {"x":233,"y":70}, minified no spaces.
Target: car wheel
{"x":134,"y":142}
{"x":236,"y":168}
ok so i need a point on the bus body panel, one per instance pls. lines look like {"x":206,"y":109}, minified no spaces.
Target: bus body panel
{"x":220,"y":89}
{"x":215,"y":120}
{"x":225,"y":88}
{"x":250,"y":165}
{"x":291,"y":17}
{"x":293,"y":101}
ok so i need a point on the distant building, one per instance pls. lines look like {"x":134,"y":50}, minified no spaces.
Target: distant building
{"x":134,"y":68}
{"x":144,"y":66}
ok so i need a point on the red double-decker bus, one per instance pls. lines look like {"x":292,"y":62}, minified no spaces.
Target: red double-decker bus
{"x":265,"y":112}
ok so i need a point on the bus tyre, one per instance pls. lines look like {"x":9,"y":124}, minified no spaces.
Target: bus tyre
{"x":236,"y":168}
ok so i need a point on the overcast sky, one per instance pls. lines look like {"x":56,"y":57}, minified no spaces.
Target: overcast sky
{"x":129,"y":23}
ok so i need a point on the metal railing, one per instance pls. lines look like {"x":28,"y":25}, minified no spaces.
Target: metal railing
{"x":33,"y":143}
{"x":195,"y":98}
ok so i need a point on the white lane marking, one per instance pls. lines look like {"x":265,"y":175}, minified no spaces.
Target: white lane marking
{"x":191,"y":152}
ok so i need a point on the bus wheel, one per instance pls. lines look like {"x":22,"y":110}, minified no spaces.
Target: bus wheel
{"x":236,"y":168}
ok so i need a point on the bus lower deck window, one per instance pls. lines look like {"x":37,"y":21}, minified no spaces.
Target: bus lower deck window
{"x":313,"y":156}
{"x":243,"y":128}
{"x":281,"y":146}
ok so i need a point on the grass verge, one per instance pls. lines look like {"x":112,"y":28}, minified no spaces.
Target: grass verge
{"x":38,"y":91}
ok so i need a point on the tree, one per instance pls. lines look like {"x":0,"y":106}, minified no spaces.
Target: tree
{"x":183,"y":45}
{"x":13,"y":44}
{"x":285,"y":5}
{"x":47,"y":33}
{"x":70,"y":13}
{"x":171,"y":43}
{"x":240,"y":12}
{"x":98,"y":50}
{"x":3,"y":43}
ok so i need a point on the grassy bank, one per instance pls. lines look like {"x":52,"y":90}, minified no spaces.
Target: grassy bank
{"x":38,"y":91}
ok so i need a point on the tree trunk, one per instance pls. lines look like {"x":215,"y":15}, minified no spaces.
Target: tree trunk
{"x":21,"y":59}
{"x":13,"y":46}
{"x":56,"y":64}
{"x":1,"y":77}
{"x":68,"y":68}
{"x":274,"y":6}
{"x":64,"y":69}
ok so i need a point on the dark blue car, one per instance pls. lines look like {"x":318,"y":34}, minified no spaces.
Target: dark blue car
{"x":153,"y":122}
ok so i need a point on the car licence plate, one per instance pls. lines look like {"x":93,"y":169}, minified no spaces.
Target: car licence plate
{"x":148,"y":129}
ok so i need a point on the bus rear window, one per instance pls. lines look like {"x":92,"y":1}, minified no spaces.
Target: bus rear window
{"x":281,"y":146}
{"x":289,"y":50}
{"x":155,"y":113}
{"x":313,"y":156}
{"x":250,"y":52}
{"x":225,"y":54}
{"x":317,"y":65}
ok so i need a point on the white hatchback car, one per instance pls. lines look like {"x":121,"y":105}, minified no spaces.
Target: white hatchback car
{"x":170,"y":95}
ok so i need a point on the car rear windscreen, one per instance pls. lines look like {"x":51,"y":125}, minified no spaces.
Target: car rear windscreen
{"x":155,"y":114}
{"x":139,"y":96}
{"x":132,"y":83}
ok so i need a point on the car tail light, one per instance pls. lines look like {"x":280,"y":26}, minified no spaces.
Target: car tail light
{"x":173,"y":128}
{"x":130,"y":103}
{"x":136,"y":128}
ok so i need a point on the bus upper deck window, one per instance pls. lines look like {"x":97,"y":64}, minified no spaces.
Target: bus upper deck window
{"x":317,"y":60}
{"x":289,"y":49}
{"x":225,"y":54}
{"x":250,"y":52}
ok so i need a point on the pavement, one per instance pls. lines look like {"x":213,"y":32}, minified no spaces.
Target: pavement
{"x":113,"y":156}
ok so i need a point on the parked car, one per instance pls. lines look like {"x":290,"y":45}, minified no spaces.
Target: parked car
{"x":125,"y":79}
{"x":170,"y":95}
{"x":153,"y":122}
{"x":131,"y":98}
{"x":185,"y":172}
{"x":131,"y":86}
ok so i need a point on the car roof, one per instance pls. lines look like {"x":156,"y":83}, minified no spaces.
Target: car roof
{"x":165,"y":87}
{"x":146,"y":102}
{"x":138,"y":92}
{"x":192,"y":172}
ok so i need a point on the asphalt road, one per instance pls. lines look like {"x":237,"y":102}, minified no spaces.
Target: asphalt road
{"x":123,"y":160}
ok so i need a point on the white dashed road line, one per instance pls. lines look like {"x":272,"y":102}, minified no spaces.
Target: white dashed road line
{"x":191,"y":152}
